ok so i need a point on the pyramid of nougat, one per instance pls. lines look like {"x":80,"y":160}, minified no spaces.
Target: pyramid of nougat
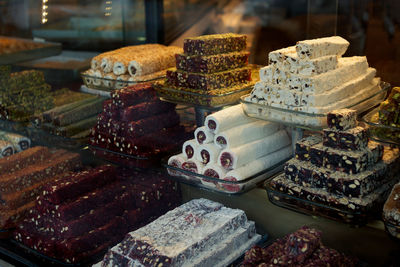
{"x":313,"y":77}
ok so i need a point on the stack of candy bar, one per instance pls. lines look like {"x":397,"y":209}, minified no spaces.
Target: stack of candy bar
{"x":136,"y":123}
{"x":85,"y":213}
{"x":198,"y":233}
{"x":313,"y":77}
{"x":232,"y":147}
{"x":301,"y":248}
{"x":341,"y":169}
{"x":210,"y":65}
{"x":25,"y":174}
{"x":118,"y":68}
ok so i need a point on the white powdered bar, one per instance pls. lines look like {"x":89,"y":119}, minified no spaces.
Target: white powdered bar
{"x":189,"y":148}
{"x":245,"y":133}
{"x":310,"y":49}
{"x":238,"y":156}
{"x":203,"y":135}
{"x":226,"y":118}
{"x":207,"y":153}
{"x":279,"y":56}
{"x":311,"y":67}
{"x":259,"y":165}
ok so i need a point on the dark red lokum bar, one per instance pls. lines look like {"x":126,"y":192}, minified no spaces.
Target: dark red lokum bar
{"x":111,"y":110}
{"x":302,"y":244}
{"x":213,"y":63}
{"x":145,"y":109}
{"x":23,"y":159}
{"x":207,"y":82}
{"x":133,"y":95}
{"x":10,"y":218}
{"x":214,"y":44}
{"x":79,"y":183}
{"x":152,"y":124}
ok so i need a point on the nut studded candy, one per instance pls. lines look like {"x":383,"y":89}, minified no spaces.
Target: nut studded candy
{"x":395,"y":95}
{"x":214,"y":44}
{"x":342,"y":119}
{"x":145,"y":109}
{"x":302,"y":151}
{"x":301,"y":244}
{"x":133,"y":95}
{"x":23,"y":159}
{"x":352,"y":139}
{"x":389,"y":113}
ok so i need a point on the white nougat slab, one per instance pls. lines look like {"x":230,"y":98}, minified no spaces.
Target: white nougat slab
{"x":278,"y":56}
{"x":251,"y":151}
{"x":203,"y":132}
{"x":310,"y":49}
{"x":245,"y":133}
{"x":227,"y":118}
{"x":259,"y":165}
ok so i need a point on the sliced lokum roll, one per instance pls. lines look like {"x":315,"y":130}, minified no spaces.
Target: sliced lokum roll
{"x":208,"y":153}
{"x":391,"y":209}
{"x":208,"y":82}
{"x":342,"y":119}
{"x":203,"y":135}
{"x":238,"y":156}
{"x":19,"y":142}
{"x":176,"y":161}
{"x":190,"y":148}
{"x":302,"y":150}
{"x":193,"y":165}
{"x":215,"y":171}
{"x":352,"y":139}
{"x":213,"y":63}
{"x":6,"y":149}
{"x":133,"y":95}
{"x":261,"y":164}
{"x":226,"y":118}
{"x":214,"y":44}
{"x":145,"y":109}
{"x":152,"y":124}
{"x":310,"y":49}
{"x":244,"y":133}
{"x":23,"y":159}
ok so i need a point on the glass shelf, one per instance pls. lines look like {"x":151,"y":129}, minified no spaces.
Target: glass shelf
{"x":305,"y":120}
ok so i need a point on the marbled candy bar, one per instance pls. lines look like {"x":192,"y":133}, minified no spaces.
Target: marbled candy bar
{"x":133,"y":95}
{"x":23,"y":159}
{"x":389,"y":113}
{"x":213,"y":63}
{"x":214,"y":44}
{"x":79,"y":183}
{"x":391,"y":209}
{"x":342,"y":119}
{"x":145,"y":109}
{"x":394,"y":95}
{"x":302,"y":150}
{"x":301,"y":244}
{"x":352,"y":139}
{"x":310,"y":49}
{"x":152,"y":124}
{"x":208,"y":81}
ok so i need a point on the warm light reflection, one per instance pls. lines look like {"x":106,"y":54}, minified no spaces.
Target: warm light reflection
{"x":108,"y":8}
{"x":44,"y":12}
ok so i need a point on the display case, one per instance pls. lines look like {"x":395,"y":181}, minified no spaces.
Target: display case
{"x":115,"y":112}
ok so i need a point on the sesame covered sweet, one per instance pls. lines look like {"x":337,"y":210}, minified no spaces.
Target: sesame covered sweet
{"x":342,"y":119}
{"x":214,"y":44}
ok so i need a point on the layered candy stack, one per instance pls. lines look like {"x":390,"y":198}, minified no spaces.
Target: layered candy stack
{"x":198,"y":233}
{"x":11,"y":143}
{"x":312,"y":77}
{"x":341,"y":169}
{"x":232,"y":147}
{"x":210,"y":65}
{"x":86,"y":212}
{"x":23,"y":177}
{"x":136,"y":123}
{"x":301,"y":248}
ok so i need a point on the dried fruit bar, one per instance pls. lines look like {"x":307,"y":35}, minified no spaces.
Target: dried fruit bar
{"x":352,"y":139}
{"x":152,"y":124}
{"x":342,"y":119}
{"x":23,"y":159}
{"x":302,"y":150}
{"x":145,"y":109}
{"x":213,"y":63}
{"x":301,"y":244}
{"x":214,"y":44}
{"x":208,"y":82}
{"x":132,"y":95}
{"x":79,"y":183}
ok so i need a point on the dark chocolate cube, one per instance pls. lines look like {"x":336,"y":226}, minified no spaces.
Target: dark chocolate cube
{"x":342,"y":119}
{"x":352,"y":139}
{"x":302,"y":150}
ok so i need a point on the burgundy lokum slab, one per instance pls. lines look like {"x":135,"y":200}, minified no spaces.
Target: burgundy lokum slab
{"x":145,"y":109}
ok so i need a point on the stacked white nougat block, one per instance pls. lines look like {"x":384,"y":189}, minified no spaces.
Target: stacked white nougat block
{"x":313,"y":77}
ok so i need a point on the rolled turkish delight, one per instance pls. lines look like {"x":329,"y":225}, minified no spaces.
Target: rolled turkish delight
{"x":352,"y":139}
{"x":203,"y":135}
{"x":208,"y":82}
{"x":213,"y":63}
{"x":302,"y":150}
{"x":261,"y":164}
{"x":342,"y":119}
{"x":6,"y":149}
{"x":133,"y":95}
{"x":244,"y":133}
{"x":302,"y":244}
{"x":19,"y":142}
{"x":59,"y":164}
{"x":79,"y":183}
{"x":21,"y":160}
{"x":226,"y":118}
{"x":391,"y":209}
{"x":145,"y":109}
{"x":215,"y":171}
{"x":238,"y":156}
{"x":310,"y":49}
{"x":152,"y":124}
{"x":214,"y":44}
{"x":193,"y":165}
{"x":190,"y":148}
{"x":176,"y":161}
{"x":208,"y":153}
